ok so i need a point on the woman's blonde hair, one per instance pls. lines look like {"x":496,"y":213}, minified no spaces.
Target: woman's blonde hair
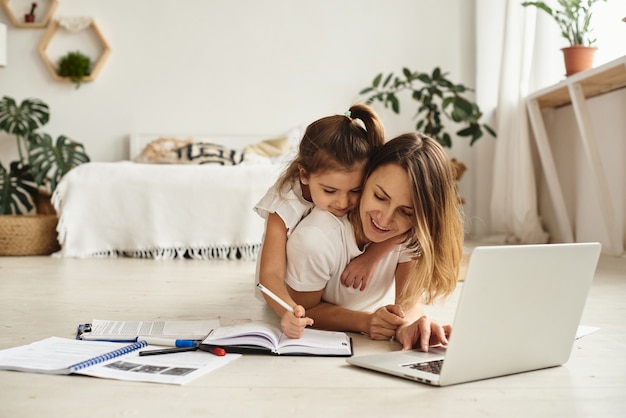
{"x":437,"y":232}
{"x":336,"y":142}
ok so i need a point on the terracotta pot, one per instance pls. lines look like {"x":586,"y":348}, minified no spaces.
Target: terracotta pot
{"x":578,"y":58}
{"x":29,"y":18}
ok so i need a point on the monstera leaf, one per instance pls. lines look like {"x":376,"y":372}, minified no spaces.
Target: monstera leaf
{"x":17,"y":187}
{"x":23,"y":119}
{"x":51,"y":161}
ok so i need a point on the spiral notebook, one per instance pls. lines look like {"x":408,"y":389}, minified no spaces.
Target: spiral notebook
{"x":56,"y":355}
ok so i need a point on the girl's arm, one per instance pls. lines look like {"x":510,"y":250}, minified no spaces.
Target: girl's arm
{"x":360,"y":270}
{"x":272,"y":275}
{"x":380,"y":325}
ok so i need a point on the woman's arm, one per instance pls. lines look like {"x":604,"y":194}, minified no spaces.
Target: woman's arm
{"x":317,"y":254}
{"x":272,"y":275}
{"x":380,"y":325}
{"x":418,"y":331}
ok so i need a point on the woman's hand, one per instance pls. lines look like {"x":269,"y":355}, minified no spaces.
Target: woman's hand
{"x":293,"y":324}
{"x":423,"y":333}
{"x":385,"y":321}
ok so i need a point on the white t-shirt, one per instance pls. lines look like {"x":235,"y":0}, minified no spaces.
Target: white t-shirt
{"x":318,"y":251}
{"x":290,"y":205}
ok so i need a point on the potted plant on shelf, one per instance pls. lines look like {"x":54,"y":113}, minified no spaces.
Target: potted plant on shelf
{"x":75,"y":66}
{"x":574,"y":19}
{"x":30,"y":16}
{"x":32,"y":178}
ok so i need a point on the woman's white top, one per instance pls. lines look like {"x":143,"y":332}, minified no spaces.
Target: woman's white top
{"x":318,"y":251}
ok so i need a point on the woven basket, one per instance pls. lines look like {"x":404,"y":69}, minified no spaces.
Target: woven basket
{"x":28,"y":234}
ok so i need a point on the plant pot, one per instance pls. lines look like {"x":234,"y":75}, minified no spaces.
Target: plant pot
{"x":43,"y":203}
{"x":29,"y":18}
{"x":578,"y":58}
{"x":28,"y":235}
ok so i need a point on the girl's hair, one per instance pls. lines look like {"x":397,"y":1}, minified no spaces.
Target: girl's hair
{"x":336,"y":143}
{"x":437,"y":231}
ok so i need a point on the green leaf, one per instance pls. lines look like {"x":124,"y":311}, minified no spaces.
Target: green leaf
{"x":388,"y":79}
{"x":424,"y":78}
{"x":395,"y":104}
{"x":467,"y":131}
{"x":377,"y":79}
{"x":490,"y":130}
{"x":52,"y":161}
{"x":445,"y":140}
{"x":23,"y":119}
{"x":17,"y":189}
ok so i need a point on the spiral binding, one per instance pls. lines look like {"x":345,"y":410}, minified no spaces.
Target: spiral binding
{"x":108,"y":356}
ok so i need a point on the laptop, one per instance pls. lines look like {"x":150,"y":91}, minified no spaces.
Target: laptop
{"x":519,"y":310}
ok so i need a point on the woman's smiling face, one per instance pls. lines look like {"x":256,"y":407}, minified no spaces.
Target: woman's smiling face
{"x":386,"y":208}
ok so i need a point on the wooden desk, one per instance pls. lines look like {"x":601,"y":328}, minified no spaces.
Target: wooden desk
{"x":575,"y":90}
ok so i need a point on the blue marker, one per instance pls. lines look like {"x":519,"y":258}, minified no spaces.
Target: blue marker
{"x":168,"y":342}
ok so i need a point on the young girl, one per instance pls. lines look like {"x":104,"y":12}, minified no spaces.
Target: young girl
{"x":327,"y":173}
{"x":409,"y":194}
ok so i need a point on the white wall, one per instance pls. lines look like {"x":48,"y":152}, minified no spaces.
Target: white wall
{"x":238,"y":67}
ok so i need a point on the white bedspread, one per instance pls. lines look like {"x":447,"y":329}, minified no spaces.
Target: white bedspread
{"x":162,"y":211}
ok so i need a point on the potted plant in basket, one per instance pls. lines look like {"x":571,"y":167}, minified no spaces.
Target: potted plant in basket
{"x":574,"y":19}
{"x":437,"y":99}
{"x":41,"y":165}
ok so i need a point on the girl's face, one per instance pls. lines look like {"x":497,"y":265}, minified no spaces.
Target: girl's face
{"x":335,"y":191}
{"x":387,"y":208}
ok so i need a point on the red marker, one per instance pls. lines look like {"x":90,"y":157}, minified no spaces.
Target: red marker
{"x":218,"y":351}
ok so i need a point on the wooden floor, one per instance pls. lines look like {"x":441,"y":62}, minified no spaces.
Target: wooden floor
{"x":46,"y":296}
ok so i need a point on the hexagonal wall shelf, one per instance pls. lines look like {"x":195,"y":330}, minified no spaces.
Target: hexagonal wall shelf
{"x":106,"y":50}
{"x":18,"y":23}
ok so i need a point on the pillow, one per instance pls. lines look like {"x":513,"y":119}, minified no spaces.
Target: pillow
{"x":162,"y":150}
{"x":208,"y":153}
{"x":185,"y":151}
{"x":268,"y":148}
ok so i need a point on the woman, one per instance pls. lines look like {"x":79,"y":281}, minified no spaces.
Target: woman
{"x":409,"y":195}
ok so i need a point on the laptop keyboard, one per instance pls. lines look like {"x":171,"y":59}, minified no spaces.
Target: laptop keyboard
{"x":433,"y":367}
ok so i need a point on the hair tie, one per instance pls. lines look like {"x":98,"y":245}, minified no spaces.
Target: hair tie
{"x":348,"y":114}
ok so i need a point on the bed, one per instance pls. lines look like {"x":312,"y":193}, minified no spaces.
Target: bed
{"x":171,"y":209}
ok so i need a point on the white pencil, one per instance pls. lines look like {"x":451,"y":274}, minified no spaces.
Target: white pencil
{"x":274,"y":297}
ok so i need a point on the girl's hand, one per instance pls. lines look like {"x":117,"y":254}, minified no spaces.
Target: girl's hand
{"x":293,"y":324}
{"x":422,"y":334}
{"x":357,"y":273}
{"x":385,"y":321}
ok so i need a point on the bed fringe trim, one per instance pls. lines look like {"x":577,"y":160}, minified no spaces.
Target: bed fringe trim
{"x":245,"y":252}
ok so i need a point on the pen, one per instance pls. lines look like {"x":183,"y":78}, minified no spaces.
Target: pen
{"x":167,"y":351}
{"x":274,"y":297}
{"x":168,"y":342}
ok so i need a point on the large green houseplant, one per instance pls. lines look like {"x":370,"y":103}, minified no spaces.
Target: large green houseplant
{"x":41,"y":165}
{"x":438,"y":99}
{"x":574,"y":20}
{"x":42,"y":162}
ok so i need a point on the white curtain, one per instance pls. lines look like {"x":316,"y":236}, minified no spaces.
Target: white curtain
{"x":513,"y":208}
